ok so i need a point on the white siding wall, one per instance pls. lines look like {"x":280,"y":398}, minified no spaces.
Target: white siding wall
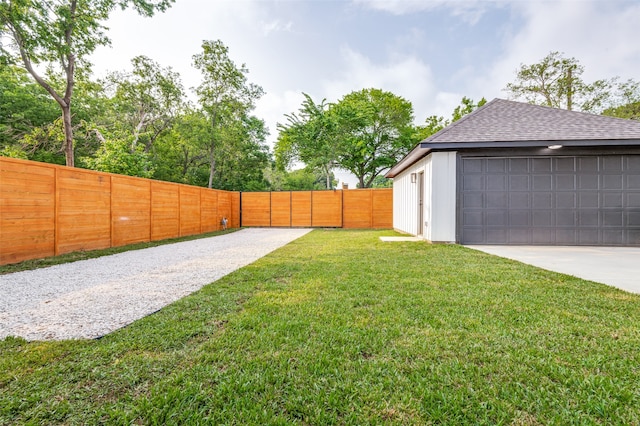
{"x":405,"y":198}
{"x":439,"y":198}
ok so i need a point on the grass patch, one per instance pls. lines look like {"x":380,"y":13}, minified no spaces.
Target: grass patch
{"x":28,"y":265}
{"x":340,"y":328}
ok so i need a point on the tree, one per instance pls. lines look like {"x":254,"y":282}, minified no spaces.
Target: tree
{"x":629,"y":111}
{"x":24,"y":105}
{"x":225,"y":94}
{"x":146,"y":101}
{"x":375,"y":132}
{"x":309,"y":136}
{"x":65,"y":33}
{"x":554,"y":81}
{"x":557,"y":82}
{"x":436,"y":123}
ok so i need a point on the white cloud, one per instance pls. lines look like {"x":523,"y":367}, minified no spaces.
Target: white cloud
{"x":408,"y":77}
{"x":276,"y":26}
{"x":468,"y":10}
{"x":602,"y":36}
{"x":272,"y":107}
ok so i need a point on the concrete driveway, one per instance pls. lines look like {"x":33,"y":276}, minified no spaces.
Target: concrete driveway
{"x":614,"y":266}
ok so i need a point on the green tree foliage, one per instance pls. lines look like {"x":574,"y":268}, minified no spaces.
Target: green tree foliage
{"x":309,"y":136}
{"x":556,"y":81}
{"x":24,"y":106}
{"x":64,"y":33}
{"x":146,"y":101}
{"x":436,"y":123}
{"x":629,"y":111}
{"x":375,"y":132}
{"x":116,"y":156}
{"x":225,"y":95}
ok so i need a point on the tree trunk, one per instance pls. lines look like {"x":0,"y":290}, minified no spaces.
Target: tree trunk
{"x":68,"y":135}
{"x":212,"y":165}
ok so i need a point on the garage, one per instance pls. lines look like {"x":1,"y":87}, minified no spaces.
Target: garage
{"x":512,"y":173}
{"x":573,"y":200}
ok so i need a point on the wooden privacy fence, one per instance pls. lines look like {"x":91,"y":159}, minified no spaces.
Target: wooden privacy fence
{"x":355,"y":208}
{"x":46,"y":210}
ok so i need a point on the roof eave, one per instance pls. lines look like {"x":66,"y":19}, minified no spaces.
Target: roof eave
{"x":425,"y":148}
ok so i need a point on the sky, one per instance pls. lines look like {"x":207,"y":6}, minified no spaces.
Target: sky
{"x":430,"y":52}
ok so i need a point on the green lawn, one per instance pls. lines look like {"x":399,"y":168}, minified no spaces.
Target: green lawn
{"x":340,"y":328}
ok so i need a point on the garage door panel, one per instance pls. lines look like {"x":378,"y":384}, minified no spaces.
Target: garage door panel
{"x":519,"y":183}
{"x":633,"y":200}
{"x":612,"y":200}
{"x":496,"y":183}
{"x":519,"y":236}
{"x":542,"y":218}
{"x":496,"y":218}
{"x":633,"y":219}
{"x":519,"y":218}
{"x":541,"y":165}
{"x":497,"y":165}
{"x":612,"y":182}
{"x":518,"y":165}
{"x":473,"y":200}
{"x":497,"y":236}
{"x":565,"y":164}
{"x":588,"y":236}
{"x":588,"y":200}
{"x":632,"y":163}
{"x":633,"y":182}
{"x":542,"y":200}
{"x":543,"y":236}
{"x":566,"y":237}
{"x":612,"y":219}
{"x":589,"y":218}
{"x":612,"y":163}
{"x":588,"y":165}
{"x":519,"y":200}
{"x":588,"y":182}
{"x":613,"y":236}
{"x":473,"y":218}
{"x":473,"y":183}
{"x":542,"y":183}
{"x":566,"y":218}
{"x":565,"y":182}
{"x":496,"y":200}
{"x":583,"y":200}
{"x":566,"y":200}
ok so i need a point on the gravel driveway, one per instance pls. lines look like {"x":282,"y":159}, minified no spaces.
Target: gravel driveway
{"x":90,"y":298}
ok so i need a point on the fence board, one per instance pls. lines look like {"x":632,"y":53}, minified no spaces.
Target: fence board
{"x":382,"y":209}
{"x":326,"y":209}
{"x":233,"y":209}
{"x":165,"y":210}
{"x":357,"y":208}
{"x":82,"y":210}
{"x":27,"y":211}
{"x":209,"y":218}
{"x":256,"y":209}
{"x":281,"y":209}
{"x":301,"y":209}
{"x":189,"y":210}
{"x":130,"y":210}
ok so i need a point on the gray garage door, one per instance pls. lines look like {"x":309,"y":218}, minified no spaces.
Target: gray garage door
{"x":590,"y":200}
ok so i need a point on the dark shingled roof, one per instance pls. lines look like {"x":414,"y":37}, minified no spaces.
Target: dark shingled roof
{"x":501,"y":120}
{"x":509,"y":124}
